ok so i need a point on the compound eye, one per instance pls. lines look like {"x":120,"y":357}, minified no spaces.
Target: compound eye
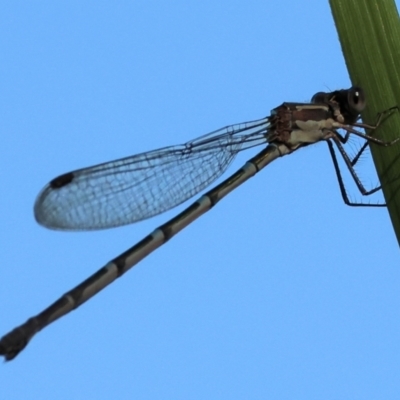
{"x":320,"y":97}
{"x":356,"y":98}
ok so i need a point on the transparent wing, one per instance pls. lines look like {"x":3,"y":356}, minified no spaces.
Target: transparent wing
{"x":138,"y":187}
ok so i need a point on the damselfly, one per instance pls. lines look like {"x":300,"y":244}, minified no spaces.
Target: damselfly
{"x":138,"y":187}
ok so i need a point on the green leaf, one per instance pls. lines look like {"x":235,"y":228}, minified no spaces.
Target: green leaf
{"x":369,"y":33}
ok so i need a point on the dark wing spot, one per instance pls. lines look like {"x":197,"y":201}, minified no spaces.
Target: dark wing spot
{"x":61,"y":180}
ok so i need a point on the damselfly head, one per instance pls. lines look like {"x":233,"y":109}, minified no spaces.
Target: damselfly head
{"x":352,"y":99}
{"x":356,"y":99}
{"x":349,"y":102}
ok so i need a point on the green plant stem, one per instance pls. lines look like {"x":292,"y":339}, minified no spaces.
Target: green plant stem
{"x":369,"y":33}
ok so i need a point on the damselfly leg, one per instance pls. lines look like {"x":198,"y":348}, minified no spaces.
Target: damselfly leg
{"x":351,"y":103}
{"x":339,"y":140}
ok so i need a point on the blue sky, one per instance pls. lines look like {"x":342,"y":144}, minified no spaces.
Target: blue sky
{"x":281,"y":291}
